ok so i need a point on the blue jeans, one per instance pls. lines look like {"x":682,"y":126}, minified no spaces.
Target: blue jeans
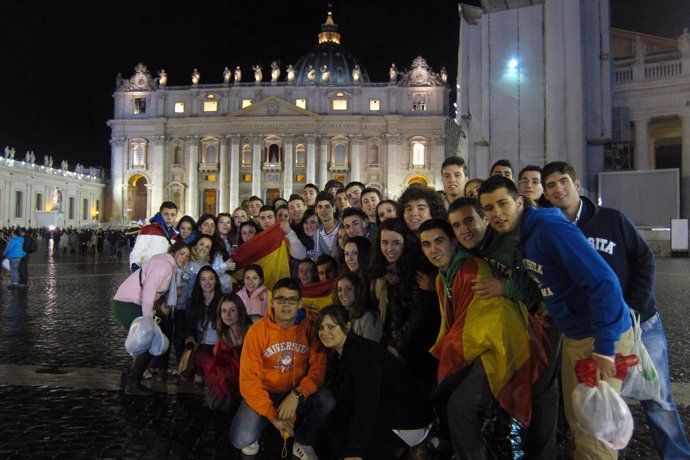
{"x":664,"y":422}
{"x":247,"y":425}
{"x":14,"y":270}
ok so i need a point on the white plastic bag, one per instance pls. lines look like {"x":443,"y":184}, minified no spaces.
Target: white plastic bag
{"x":160,"y":342}
{"x":6,"y":264}
{"x":602,"y":413}
{"x":140,"y":335}
{"x":642,"y":381}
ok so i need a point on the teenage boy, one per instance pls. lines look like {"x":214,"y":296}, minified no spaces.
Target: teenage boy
{"x":156,"y":237}
{"x":370,"y":198}
{"x":502,"y":168}
{"x":332,"y":186}
{"x":475,"y":368}
{"x":254,"y":207}
{"x":281,"y":377}
{"x":355,"y":222}
{"x":309,"y":193}
{"x":617,"y":240}
{"x":529,"y":183}
{"x":296,"y":208}
{"x":581,"y":292}
{"x":267,"y":216}
{"x":353,"y":191}
{"x":454,"y":178}
{"x":326,"y":267}
{"x":327,"y":235}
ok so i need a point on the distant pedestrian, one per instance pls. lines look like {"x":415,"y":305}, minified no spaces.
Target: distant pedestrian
{"x":14,"y":253}
{"x":30,"y":245}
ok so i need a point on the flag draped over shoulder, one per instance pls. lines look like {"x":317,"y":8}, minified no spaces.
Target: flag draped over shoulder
{"x":498,"y":331}
{"x":319,"y":294}
{"x":267,"y":249}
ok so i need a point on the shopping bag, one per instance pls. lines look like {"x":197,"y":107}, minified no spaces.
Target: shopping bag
{"x":6,"y":264}
{"x":159,"y":343}
{"x":643,"y":381}
{"x":602,"y":413}
{"x":140,"y":335}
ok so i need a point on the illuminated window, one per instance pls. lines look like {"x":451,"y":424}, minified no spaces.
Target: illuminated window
{"x":300,"y":178}
{"x":210,"y":201}
{"x":210,"y":178}
{"x":418,"y":155}
{"x":340,"y":104}
{"x":419,"y":103}
{"x":301,"y":103}
{"x":247,"y":177}
{"x":210,"y":106}
{"x":246,"y":155}
{"x":374,"y":105}
{"x":246,"y":103}
{"x":139,"y":105}
{"x":340,"y":94}
{"x":179,"y":107}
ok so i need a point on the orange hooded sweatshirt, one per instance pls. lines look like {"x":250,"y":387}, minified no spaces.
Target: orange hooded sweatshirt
{"x":276,"y":360}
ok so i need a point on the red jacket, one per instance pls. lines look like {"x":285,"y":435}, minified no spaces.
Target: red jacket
{"x":276,"y":360}
{"x":222,"y":371}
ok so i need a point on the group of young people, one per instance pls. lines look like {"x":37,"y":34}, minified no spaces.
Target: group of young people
{"x":446,"y":308}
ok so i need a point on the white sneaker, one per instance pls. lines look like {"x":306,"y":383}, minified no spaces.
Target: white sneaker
{"x":251,"y":449}
{"x":303,"y":452}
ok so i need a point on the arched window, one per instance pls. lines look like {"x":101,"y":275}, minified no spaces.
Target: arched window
{"x":418,"y":155}
{"x":340,"y":154}
{"x":300,"y":155}
{"x":211,"y":154}
{"x":273,"y":154}
{"x":138,"y":153}
{"x":373,"y":158}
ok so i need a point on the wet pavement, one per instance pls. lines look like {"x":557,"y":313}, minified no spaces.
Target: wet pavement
{"x":62,"y":353}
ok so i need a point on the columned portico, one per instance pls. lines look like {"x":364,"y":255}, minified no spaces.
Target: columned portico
{"x":311,"y":159}
{"x":224,"y":173}
{"x":323,"y":160}
{"x":157,"y":165}
{"x":641,"y":159}
{"x":234,"y":172}
{"x":685,"y":167}
{"x":256,"y":165}
{"x":392,"y":175}
{"x":357,"y":141}
{"x":192,"y":205}
{"x":287,"y":173}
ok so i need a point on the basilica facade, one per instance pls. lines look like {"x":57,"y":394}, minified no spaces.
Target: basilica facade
{"x":269,"y":132}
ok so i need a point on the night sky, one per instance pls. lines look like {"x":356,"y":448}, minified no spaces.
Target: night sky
{"x":60,"y":58}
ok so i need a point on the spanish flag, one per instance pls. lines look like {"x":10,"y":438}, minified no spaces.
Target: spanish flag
{"x":268,"y":249}
{"x":318,"y":295}
{"x":499,"y":331}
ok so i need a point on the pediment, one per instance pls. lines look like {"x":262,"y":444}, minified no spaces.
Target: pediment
{"x":272,"y":107}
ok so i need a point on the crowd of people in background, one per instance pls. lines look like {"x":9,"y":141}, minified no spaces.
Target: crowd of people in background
{"x":454,"y":323}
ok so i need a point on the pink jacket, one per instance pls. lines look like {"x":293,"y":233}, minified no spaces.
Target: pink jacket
{"x":154,"y":282}
{"x":257,"y":303}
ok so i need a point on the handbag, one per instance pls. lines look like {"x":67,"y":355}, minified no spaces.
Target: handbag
{"x":642,"y":382}
{"x":185,"y":368}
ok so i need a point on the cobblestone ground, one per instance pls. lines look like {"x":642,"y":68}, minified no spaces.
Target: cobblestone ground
{"x":62,"y":352}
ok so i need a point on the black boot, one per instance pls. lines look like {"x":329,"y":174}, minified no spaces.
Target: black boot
{"x":134,"y":386}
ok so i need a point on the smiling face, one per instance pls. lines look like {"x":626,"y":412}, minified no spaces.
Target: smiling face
{"x":502,"y":210}
{"x":247,"y":232}
{"x":229,"y":313}
{"x":437,"y":247}
{"x":562,"y":191}
{"x":386,"y":211}
{"x":310,"y":226}
{"x":207,"y":227}
{"x":325,"y":211}
{"x":468,"y":226}
{"x":224,"y":225}
{"x":202,"y":248}
{"x":182,"y":257}
{"x":207,"y":281}
{"x":454,"y":180}
{"x":252,"y":281}
{"x":353,"y":196}
{"x":186,"y":229}
{"x":392,"y":245}
{"x":530,"y":184}
{"x":283,"y":215}
{"x":369,"y":201}
{"x":332,"y":335}
{"x":346,"y":292}
{"x":355,"y":226}
{"x":239,"y":217}
{"x":351,"y":254}
{"x":296,"y":208}
{"x":416,"y":212}
{"x":342,"y":237}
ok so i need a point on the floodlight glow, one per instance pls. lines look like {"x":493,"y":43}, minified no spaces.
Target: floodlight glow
{"x":512,"y":64}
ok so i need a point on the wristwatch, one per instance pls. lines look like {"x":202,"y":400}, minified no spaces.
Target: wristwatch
{"x":298,"y":394}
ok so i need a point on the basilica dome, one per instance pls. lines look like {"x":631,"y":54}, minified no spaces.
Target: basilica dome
{"x":329,"y":62}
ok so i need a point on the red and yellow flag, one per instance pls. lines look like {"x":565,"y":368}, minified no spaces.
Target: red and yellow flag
{"x":268,"y":249}
{"x":318,"y":295}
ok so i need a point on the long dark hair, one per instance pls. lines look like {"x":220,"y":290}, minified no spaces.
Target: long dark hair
{"x":198,"y":310}
{"x":378,"y":264}
{"x":361,"y":305}
{"x":338,"y":314}
{"x":224,"y":331}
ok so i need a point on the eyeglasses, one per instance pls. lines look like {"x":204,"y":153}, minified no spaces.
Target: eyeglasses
{"x":291,"y":300}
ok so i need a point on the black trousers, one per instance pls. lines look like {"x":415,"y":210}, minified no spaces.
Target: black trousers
{"x":24,"y":270}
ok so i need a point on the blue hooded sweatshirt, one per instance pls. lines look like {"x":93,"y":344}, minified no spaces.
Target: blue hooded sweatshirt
{"x":580,"y":290}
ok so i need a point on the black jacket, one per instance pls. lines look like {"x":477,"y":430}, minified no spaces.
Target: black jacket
{"x":374,"y":392}
{"x":617,"y":240}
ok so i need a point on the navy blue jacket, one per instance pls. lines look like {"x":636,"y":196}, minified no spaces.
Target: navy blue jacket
{"x":580,"y":290}
{"x":617,"y":240}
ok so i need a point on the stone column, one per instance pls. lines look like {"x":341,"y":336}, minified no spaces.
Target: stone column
{"x":234,"y":172}
{"x":223,"y":185}
{"x":323,"y":159}
{"x":256,"y":165}
{"x":393,"y":184}
{"x":156,"y":164}
{"x":641,"y":159}
{"x":118,"y":157}
{"x":356,"y":143}
{"x":311,"y":160}
{"x":685,"y":168}
{"x":192,"y":205}
{"x":288,"y":179}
